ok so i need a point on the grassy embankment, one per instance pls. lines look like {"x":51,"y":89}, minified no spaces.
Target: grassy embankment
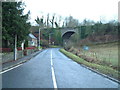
{"x":105,"y":54}
{"x":106,"y":57}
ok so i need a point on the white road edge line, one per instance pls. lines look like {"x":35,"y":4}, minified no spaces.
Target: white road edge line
{"x":10,"y":69}
{"x":53,"y":73}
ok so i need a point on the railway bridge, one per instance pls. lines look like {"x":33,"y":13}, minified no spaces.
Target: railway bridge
{"x":65,"y":33}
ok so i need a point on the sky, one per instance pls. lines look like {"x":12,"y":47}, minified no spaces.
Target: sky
{"x":96,"y":10}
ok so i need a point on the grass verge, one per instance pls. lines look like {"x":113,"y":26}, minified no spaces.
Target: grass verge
{"x":102,"y":69}
{"x":54,"y":46}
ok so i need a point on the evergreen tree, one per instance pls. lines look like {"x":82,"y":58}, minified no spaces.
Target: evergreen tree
{"x":14,"y":23}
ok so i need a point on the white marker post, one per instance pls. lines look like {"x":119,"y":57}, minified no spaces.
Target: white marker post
{"x":39,"y":39}
{"x":15,"y":50}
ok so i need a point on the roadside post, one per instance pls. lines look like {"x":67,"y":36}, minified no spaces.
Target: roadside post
{"x":15,"y":49}
{"x":39,"y":40}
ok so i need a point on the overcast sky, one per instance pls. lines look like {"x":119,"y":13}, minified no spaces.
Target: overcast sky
{"x":79,"y":9}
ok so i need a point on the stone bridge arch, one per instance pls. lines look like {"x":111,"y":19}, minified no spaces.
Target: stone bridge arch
{"x":66,"y":34}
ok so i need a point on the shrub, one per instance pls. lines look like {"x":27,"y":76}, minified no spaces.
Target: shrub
{"x":44,"y":43}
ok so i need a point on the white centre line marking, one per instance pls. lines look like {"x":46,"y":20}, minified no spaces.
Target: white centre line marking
{"x":53,"y":73}
{"x":10,"y":69}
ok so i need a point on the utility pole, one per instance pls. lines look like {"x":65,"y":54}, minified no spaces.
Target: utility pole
{"x":39,"y":39}
{"x":49,"y":39}
{"x":15,"y":50}
{"x":40,"y":22}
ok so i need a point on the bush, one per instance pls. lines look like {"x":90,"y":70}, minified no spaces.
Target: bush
{"x":68,"y":45}
{"x":44,"y":43}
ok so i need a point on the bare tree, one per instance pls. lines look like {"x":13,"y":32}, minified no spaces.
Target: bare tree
{"x":71,"y":22}
{"x":48,"y":20}
{"x":88,"y":22}
{"x":66,"y":22}
{"x":60,"y":17}
{"x":52,"y":21}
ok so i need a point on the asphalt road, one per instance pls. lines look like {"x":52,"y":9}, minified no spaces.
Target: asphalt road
{"x":52,"y":69}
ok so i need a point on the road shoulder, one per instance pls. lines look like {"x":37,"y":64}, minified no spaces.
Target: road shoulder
{"x":12,"y":64}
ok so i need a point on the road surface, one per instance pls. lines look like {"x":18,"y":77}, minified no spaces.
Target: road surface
{"x":52,"y":69}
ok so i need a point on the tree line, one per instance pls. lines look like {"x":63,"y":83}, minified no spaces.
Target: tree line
{"x":97,"y":33}
{"x":86,"y":29}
